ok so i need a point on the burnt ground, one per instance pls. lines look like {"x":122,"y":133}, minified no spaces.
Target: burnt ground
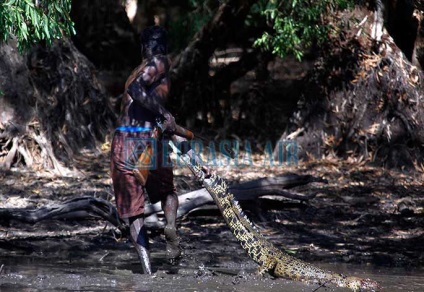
{"x":364,"y":215}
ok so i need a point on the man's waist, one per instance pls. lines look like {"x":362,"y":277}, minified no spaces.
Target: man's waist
{"x":132,"y":129}
{"x":140,"y":127}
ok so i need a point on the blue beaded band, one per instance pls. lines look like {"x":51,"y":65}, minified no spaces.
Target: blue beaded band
{"x":133,"y":129}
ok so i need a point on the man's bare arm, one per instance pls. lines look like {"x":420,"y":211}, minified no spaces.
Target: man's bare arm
{"x":140,"y":93}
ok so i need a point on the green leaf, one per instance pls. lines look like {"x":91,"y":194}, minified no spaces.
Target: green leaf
{"x":46,"y":27}
{"x":29,"y":3}
{"x":30,"y":23}
{"x":27,"y":8}
{"x":59,"y":9}
{"x":295,"y":25}
{"x":9,"y":3}
{"x":24,"y":29}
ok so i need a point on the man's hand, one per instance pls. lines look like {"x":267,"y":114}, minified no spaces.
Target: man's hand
{"x":169,"y":124}
{"x":196,"y":158}
{"x":206,"y":171}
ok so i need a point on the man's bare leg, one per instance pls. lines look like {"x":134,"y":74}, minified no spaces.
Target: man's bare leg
{"x":170,"y":207}
{"x":138,"y":237}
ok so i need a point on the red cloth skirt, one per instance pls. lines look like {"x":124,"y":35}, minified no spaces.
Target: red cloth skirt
{"x":129,"y":193}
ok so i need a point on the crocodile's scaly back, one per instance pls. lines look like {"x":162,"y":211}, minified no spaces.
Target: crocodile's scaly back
{"x":268,"y":256}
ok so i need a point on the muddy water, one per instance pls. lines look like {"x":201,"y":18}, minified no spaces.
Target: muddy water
{"x":38,"y":274}
{"x":213,"y":261}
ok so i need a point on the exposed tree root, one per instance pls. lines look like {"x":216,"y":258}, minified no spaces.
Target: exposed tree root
{"x":53,"y":107}
{"x":364,"y":101}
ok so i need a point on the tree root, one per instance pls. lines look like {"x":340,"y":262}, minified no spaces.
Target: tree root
{"x":53,"y":107}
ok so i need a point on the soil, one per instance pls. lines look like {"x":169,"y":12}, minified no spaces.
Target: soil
{"x":364,"y":217}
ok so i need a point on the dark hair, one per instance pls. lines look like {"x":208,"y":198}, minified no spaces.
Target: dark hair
{"x":153,"y":41}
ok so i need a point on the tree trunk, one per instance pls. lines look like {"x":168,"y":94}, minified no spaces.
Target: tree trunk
{"x":54,"y":107}
{"x":191,"y":82}
{"x":402,"y":25}
{"x":418,"y":55}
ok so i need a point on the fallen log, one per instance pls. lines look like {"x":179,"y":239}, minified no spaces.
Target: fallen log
{"x":82,"y":207}
{"x":85,"y":207}
{"x":21,"y":234}
{"x":250,"y":190}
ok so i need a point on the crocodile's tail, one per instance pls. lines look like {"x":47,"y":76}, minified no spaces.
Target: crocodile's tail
{"x":296,"y":269}
{"x":359,"y":284}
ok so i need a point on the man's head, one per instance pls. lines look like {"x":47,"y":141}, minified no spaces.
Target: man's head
{"x":153,"y":42}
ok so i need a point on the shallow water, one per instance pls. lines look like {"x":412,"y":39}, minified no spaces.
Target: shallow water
{"x":37,"y":274}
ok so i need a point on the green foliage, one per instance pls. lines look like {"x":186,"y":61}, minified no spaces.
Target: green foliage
{"x":31,"y":21}
{"x":296,"y":24}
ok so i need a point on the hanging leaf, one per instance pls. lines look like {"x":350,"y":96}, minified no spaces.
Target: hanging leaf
{"x":30,"y":23}
{"x":296,"y":25}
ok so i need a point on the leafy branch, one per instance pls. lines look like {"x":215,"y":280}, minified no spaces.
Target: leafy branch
{"x":295,"y":25}
{"x":31,"y":21}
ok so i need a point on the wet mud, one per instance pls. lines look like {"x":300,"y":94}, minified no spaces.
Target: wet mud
{"x":212,"y":261}
{"x":366,"y":222}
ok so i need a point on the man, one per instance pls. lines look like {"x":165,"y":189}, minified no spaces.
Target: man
{"x":146,"y":93}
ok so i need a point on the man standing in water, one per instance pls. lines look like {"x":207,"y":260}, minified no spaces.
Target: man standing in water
{"x":146,"y":92}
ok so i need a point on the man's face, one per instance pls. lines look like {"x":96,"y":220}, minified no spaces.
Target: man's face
{"x":153,"y":47}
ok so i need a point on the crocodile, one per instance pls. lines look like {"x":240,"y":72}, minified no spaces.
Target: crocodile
{"x":270,"y":259}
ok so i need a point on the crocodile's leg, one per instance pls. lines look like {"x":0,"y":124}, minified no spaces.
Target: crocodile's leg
{"x":267,"y":267}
